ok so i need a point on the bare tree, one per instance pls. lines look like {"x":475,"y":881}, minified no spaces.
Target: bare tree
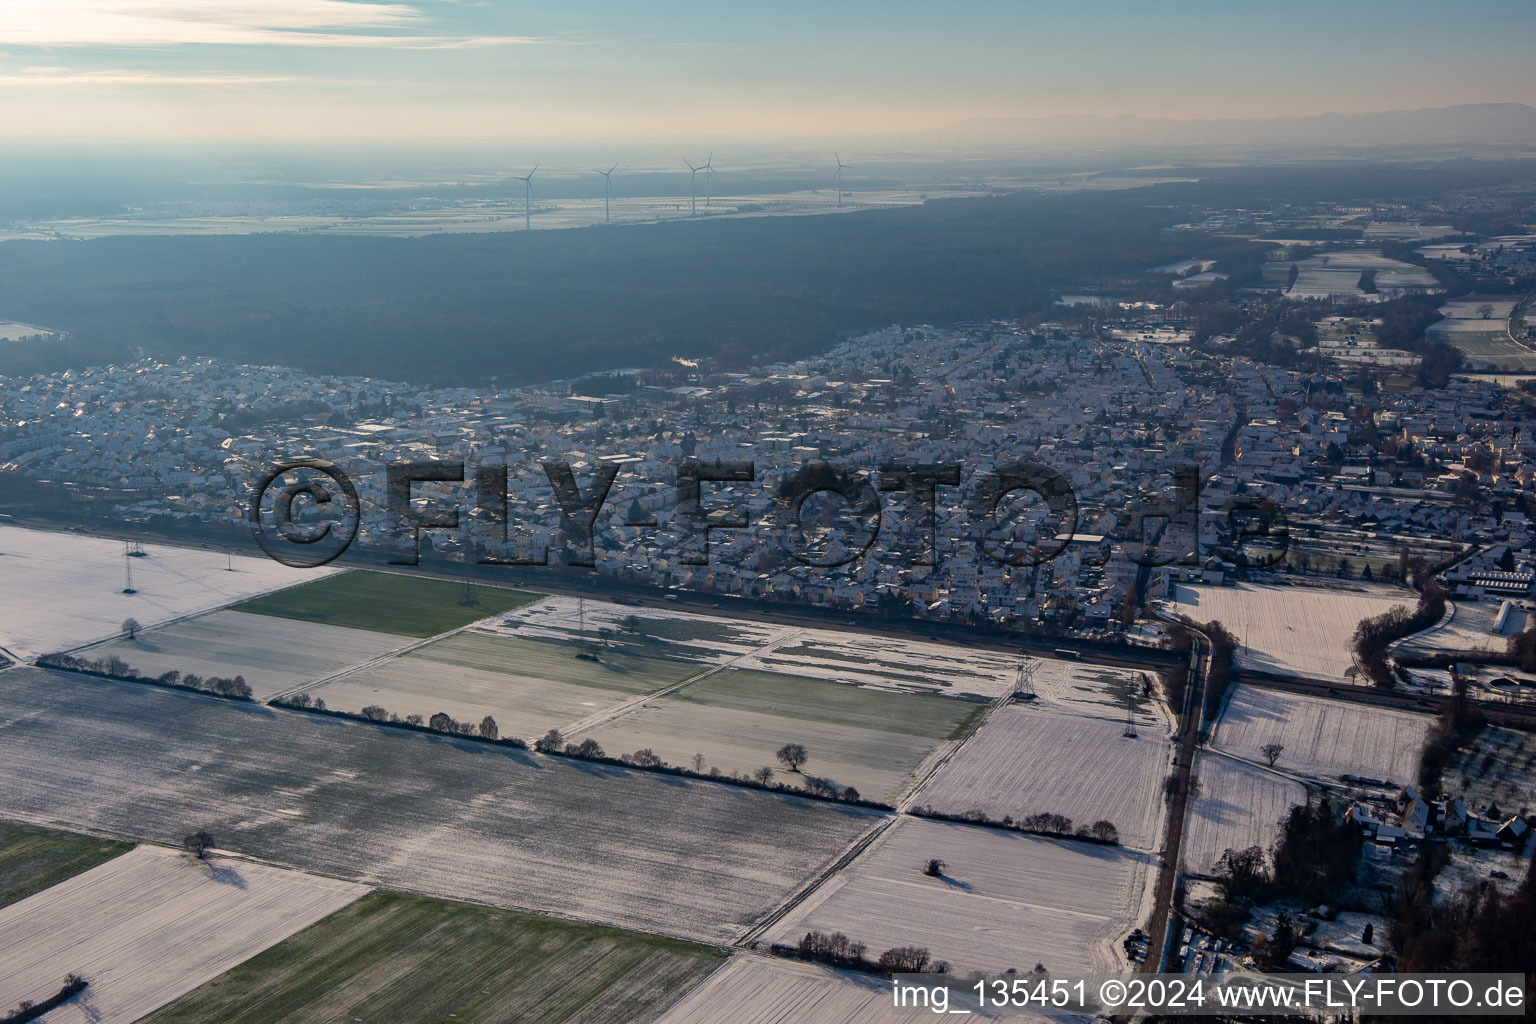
{"x":763,"y":775}
{"x":934,"y":868}
{"x":488,"y":729}
{"x":645,"y":758}
{"x":551,"y":741}
{"x":131,"y":627}
{"x":198,"y":844}
{"x":1485,"y":310}
{"x":374,"y":713}
{"x":1272,"y":752}
{"x":792,"y":756}
{"x":699,"y":763}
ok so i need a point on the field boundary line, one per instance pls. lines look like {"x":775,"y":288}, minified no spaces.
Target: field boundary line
{"x":797,"y":896}
{"x":946,"y":751}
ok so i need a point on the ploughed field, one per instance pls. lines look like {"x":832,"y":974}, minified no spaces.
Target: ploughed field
{"x":150,"y":925}
{"x":273,"y":654}
{"x":1324,"y":737}
{"x":431,"y":814}
{"x":1023,"y":761}
{"x":62,"y":590}
{"x":1238,"y":806}
{"x":1005,"y":899}
{"x":764,"y":990}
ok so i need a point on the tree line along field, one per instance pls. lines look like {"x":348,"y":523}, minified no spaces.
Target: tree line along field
{"x":1238,"y":806}
{"x":436,"y":815}
{"x":1323,"y":737}
{"x":33,"y":858}
{"x":1005,"y":900}
{"x":63,"y":590}
{"x":150,"y":925}
{"x":273,"y":654}
{"x":527,"y":685}
{"x":396,"y":957}
{"x":1022,"y":761}
{"x":416,"y":606}
{"x":872,"y":740}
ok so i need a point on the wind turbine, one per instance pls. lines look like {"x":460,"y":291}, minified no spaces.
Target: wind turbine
{"x":840,"y":166}
{"x":607,"y":187}
{"x":693,"y":191}
{"x":527,"y":180}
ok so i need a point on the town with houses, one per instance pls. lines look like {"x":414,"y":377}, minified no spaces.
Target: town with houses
{"x":1179,"y":632}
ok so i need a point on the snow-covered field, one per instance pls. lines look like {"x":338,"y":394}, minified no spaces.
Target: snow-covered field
{"x":1239,"y":806}
{"x":1338,"y":273}
{"x":430,"y":814}
{"x":1006,"y":899}
{"x":663,"y":632}
{"x":62,"y":589}
{"x":766,"y":990}
{"x":890,"y":662}
{"x":844,"y":656}
{"x":1023,"y":761}
{"x":1323,"y":737}
{"x":1469,"y":627}
{"x":1301,"y":631}
{"x":274,"y":655}
{"x":152,"y":925}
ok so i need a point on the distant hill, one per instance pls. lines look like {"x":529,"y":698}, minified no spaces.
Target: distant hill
{"x":1469,"y":123}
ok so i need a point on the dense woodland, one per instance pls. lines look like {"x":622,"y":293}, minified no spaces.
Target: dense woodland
{"x":526,"y":306}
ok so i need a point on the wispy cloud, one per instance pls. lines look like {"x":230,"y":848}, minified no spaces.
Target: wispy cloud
{"x":335,"y":23}
{"x":56,"y":76}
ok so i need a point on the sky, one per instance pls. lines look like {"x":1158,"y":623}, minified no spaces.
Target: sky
{"x":499,"y":70}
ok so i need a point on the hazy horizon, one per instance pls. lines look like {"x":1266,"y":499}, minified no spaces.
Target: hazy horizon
{"x":461,"y":73}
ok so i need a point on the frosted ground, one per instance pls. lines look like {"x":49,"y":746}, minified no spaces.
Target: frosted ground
{"x":427,"y":814}
{"x":1007,"y":899}
{"x":661,"y":632}
{"x":1468,"y":627}
{"x":1023,"y":761}
{"x":848,"y":657}
{"x":1338,"y":274}
{"x":844,"y":656}
{"x":152,"y":925}
{"x":765,"y":990}
{"x":1323,"y":737}
{"x":274,"y":655}
{"x":527,"y":685}
{"x":872,"y":740}
{"x":63,"y":589}
{"x":1239,"y":806}
{"x":1303,"y":631}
